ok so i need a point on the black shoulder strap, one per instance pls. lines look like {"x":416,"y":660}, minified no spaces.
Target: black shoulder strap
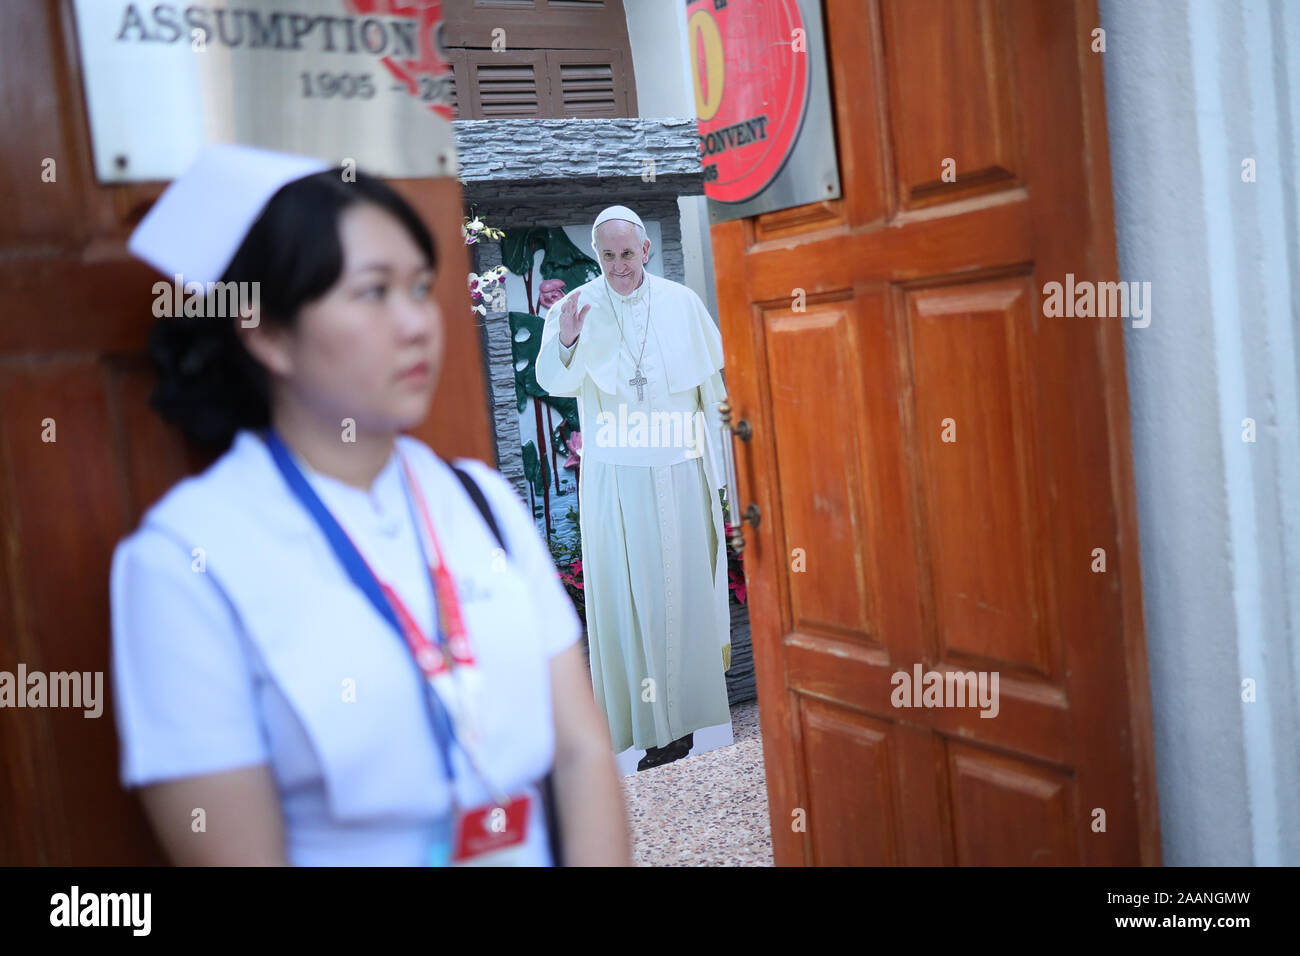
{"x":476,"y":495}
{"x":547,"y":784}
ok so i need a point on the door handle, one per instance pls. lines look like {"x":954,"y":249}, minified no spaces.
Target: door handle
{"x":744,"y":432}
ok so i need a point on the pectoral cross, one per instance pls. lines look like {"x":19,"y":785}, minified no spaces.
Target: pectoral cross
{"x":639,"y":381}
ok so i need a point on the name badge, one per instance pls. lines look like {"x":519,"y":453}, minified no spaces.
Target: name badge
{"x":493,"y":835}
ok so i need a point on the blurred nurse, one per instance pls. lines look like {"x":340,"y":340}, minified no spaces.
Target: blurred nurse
{"x":332,"y":647}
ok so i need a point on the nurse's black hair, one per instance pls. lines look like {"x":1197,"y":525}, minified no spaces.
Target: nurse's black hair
{"x":209,"y":385}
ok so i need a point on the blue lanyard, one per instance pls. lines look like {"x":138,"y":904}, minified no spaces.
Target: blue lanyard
{"x":364,"y":578}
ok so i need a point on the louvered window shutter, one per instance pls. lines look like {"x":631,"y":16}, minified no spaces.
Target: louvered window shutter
{"x":458,"y":72}
{"x":587,"y":83}
{"x":565,"y":58}
{"x":508,"y":85}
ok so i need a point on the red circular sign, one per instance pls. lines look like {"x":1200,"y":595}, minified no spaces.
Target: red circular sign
{"x":750,"y":64}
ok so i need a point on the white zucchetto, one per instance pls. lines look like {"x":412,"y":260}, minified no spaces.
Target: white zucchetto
{"x":613,"y":212}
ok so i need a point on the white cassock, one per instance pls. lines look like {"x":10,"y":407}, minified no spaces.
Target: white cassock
{"x":653,"y":552}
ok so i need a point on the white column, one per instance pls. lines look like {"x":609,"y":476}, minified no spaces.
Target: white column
{"x":1193,"y":89}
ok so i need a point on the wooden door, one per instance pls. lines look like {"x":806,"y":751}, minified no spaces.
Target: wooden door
{"x":881,"y":545}
{"x":74,"y":317}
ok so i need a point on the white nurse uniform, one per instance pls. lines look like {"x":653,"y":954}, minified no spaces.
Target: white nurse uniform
{"x":238,"y":639}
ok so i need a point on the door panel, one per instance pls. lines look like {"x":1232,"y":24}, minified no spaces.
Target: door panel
{"x":807,"y":355}
{"x":949,"y":97}
{"x":861,"y":815}
{"x":977,"y":493}
{"x":936,"y":463}
{"x":1010,"y":813}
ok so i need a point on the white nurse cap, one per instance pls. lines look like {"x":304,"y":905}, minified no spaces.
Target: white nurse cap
{"x":614,"y":212}
{"x":197,"y":225}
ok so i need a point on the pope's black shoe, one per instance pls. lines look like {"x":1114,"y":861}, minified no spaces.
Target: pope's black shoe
{"x":658,"y":756}
{"x":654,"y":756}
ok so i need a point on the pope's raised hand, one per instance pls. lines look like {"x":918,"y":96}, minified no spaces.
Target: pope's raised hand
{"x":571,"y":320}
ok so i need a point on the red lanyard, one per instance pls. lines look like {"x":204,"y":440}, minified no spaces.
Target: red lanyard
{"x":453,"y":639}
{"x":448,"y":662}
{"x":452,"y":635}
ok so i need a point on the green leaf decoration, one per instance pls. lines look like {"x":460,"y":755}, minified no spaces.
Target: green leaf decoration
{"x":568,"y":408}
{"x":524,"y":352}
{"x":536,"y":469}
{"x":518,"y":246}
{"x":561,"y":259}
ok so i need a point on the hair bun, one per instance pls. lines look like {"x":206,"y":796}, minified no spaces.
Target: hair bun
{"x":207,"y":384}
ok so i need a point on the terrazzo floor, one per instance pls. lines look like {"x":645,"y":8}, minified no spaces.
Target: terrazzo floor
{"x":706,"y":810}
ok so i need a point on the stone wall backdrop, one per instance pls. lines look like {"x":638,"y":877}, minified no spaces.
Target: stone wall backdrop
{"x":520,"y":173}
{"x":741,"y":685}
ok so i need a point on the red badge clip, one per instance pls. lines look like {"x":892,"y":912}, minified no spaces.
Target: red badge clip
{"x":491,"y":829}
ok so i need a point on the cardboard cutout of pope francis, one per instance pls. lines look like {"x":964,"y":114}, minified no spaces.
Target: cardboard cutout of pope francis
{"x":643,"y":358}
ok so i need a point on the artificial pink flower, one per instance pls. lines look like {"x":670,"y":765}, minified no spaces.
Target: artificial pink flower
{"x":574,"y":444}
{"x":552,"y":291}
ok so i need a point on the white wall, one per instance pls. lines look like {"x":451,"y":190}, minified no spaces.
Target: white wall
{"x":1193,"y":88}
{"x":661,"y":61}
{"x":657,"y":31}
